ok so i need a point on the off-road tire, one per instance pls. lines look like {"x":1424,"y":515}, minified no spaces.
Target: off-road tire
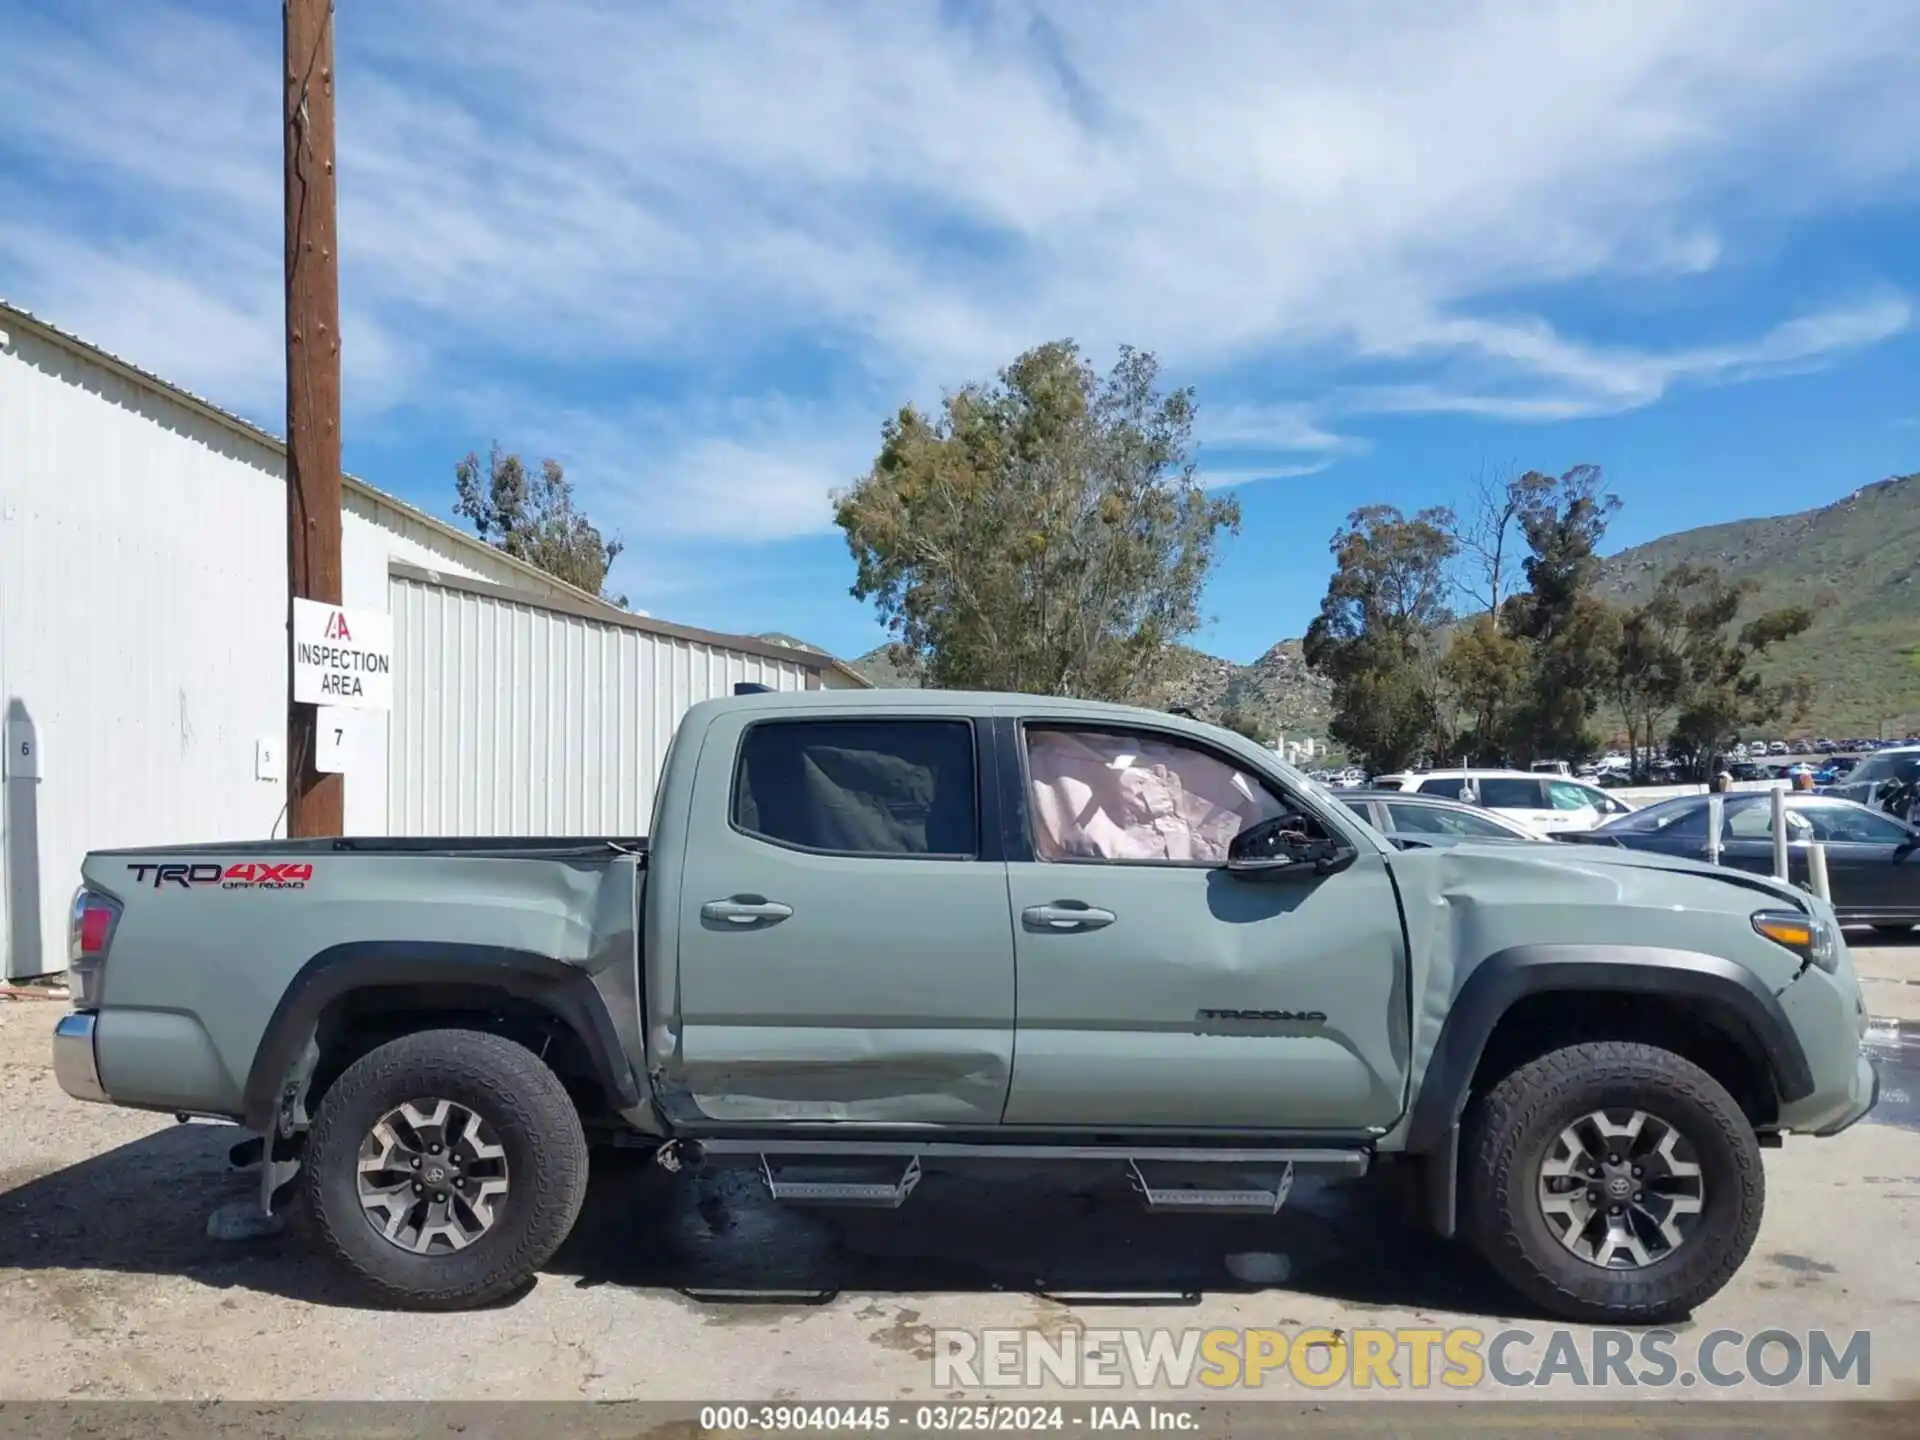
{"x":526,"y":1107}
{"x":1895,"y":931}
{"x":1511,"y":1131}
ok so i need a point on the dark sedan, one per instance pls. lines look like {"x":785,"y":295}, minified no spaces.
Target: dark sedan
{"x":1873,"y":860}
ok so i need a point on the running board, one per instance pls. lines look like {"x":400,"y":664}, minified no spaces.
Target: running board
{"x":1344,"y":1162}
{"x":1213,"y":1199}
{"x":876,"y":1195}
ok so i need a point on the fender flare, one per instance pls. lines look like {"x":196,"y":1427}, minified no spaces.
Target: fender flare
{"x":1732,"y":998}
{"x":564,"y":989}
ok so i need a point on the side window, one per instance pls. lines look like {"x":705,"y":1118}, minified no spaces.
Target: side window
{"x":1135,"y":796}
{"x":859,"y":787}
{"x":1448,"y":788}
{"x":1430,"y":819}
{"x":1423,"y":820}
{"x":1847,"y":824}
{"x":1501,"y":792}
{"x":1754,"y":821}
{"x":1564,"y":795}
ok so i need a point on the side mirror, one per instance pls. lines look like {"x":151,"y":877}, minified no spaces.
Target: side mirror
{"x":1271,"y":849}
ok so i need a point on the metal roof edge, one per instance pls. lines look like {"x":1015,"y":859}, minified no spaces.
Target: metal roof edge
{"x":744,"y":644}
{"x":180,"y":395}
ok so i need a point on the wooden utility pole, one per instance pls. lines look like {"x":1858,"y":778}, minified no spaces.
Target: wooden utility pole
{"x":315,"y":801}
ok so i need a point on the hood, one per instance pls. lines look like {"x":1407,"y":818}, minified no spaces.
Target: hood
{"x":1610,"y":860}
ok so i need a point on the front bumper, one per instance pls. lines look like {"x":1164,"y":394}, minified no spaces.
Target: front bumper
{"x":1861,"y":1098}
{"x":74,"y":1063}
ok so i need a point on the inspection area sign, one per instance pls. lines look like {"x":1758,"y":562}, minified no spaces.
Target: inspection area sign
{"x":342,"y":657}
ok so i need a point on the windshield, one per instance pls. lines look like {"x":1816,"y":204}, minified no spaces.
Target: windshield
{"x":1653,"y":819}
{"x":1885,"y":767}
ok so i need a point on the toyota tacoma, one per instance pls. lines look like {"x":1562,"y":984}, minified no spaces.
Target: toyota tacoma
{"x":871,"y":932}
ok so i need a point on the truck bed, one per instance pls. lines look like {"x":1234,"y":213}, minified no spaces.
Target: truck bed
{"x":532,"y":847}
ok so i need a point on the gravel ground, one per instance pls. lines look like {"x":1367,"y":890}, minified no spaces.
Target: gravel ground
{"x":110,"y":1286}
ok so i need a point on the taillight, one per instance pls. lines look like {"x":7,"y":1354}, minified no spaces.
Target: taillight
{"x":88,"y":934}
{"x":95,"y":921}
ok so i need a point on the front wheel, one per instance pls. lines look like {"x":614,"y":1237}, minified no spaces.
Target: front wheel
{"x":1613,"y":1182}
{"x":445,"y":1168}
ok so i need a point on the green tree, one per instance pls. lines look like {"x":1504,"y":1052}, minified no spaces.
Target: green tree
{"x":1723,"y":693}
{"x":1524,"y":676}
{"x":1376,"y":634}
{"x":1569,"y":631}
{"x":1488,"y":675}
{"x":1043,"y":533}
{"x":530,"y":516}
{"x":1649,"y":672}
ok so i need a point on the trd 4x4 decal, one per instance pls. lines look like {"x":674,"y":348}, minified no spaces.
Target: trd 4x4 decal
{"x":250,"y":875}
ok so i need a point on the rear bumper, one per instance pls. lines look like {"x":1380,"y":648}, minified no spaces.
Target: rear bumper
{"x":74,"y":1063}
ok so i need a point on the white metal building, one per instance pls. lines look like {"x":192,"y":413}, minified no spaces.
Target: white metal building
{"x":144,"y":651}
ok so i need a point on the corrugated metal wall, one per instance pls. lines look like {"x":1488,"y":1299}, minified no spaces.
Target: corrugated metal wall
{"x":513,"y":719}
{"x":142,"y":629}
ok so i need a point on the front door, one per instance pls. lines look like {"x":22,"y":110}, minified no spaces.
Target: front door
{"x":1156,"y":990}
{"x":1872,"y":863}
{"x":844,"y":948}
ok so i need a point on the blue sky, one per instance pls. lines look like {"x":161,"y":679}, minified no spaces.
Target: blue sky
{"x":698,"y":252}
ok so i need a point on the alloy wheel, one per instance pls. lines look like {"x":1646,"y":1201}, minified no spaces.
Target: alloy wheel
{"x":432,"y":1176}
{"x":1621,"y":1189}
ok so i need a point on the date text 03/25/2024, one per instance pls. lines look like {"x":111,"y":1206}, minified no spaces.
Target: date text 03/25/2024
{"x":939,"y":1417}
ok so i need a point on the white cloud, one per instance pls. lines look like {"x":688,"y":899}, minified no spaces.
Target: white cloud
{"x":1571,"y":380}
{"x":1226,"y":477}
{"x":1267,"y":197}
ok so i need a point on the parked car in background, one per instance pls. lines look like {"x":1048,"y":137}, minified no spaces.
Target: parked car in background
{"x":1422,"y":819}
{"x":1873,"y":860}
{"x":1872,"y":777}
{"x":1545,"y":803}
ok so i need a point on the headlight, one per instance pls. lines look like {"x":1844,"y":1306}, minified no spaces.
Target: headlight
{"x":1810,"y":938}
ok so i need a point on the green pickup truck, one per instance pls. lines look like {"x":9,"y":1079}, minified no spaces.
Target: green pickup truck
{"x":873,"y":932}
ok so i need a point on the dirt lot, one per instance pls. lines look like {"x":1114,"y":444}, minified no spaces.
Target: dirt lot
{"x":110,"y":1286}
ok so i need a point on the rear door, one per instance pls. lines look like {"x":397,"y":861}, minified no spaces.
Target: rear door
{"x":1156,"y":990}
{"x":845,"y":953}
{"x":1525,"y":798}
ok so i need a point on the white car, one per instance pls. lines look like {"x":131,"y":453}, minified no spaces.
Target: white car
{"x":1545,"y":802}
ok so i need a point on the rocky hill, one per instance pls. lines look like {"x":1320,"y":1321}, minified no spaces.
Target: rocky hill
{"x":1857,"y":561}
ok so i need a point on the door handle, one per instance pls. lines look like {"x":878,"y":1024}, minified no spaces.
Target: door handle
{"x":745,"y":912}
{"x":1066,"y":915}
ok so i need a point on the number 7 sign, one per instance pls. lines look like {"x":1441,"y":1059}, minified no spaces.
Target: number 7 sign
{"x":336,"y":738}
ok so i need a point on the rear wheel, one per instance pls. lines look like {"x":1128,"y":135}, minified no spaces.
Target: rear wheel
{"x":1613,"y":1181}
{"x":445,"y":1168}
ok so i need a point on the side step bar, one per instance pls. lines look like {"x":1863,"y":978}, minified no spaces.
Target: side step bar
{"x":872,"y":1194}
{"x":1214,"y":1200}
{"x":1323,"y":1160}
{"x":1208,"y":1181}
